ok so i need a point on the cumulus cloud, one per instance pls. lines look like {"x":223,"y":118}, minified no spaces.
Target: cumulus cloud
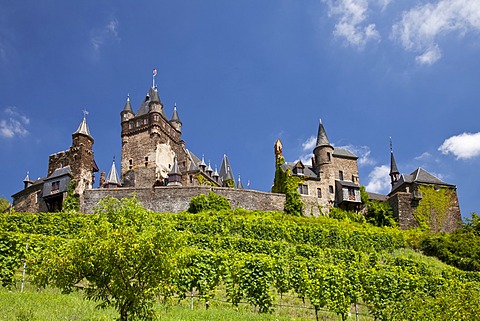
{"x":424,"y":156}
{"x":352,"y":25}
{"x":363,"y":153}
{"x":13,"y":124}
{"x":309,"y":144}
{"x":420,"y":27}
{"x":379,"y":180}
{"x":107,"y":33}
{"x":463,"y":146}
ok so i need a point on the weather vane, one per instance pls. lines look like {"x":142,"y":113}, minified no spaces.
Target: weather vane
{"x":85,"y":113}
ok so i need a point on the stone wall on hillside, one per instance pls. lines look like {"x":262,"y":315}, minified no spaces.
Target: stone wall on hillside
{"x":177,"y":199}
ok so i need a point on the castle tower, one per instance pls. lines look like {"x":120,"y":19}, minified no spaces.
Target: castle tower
{"x":150,"y":143}
{"x":323,"y":152}
{"x":81,"y":160}
{"x":394,"y":173}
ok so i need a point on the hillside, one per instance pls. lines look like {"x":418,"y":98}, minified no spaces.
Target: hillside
{"x":264,"y":259}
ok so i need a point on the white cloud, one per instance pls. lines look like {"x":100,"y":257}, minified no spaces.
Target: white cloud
{"x":379,"y":180}
{"x":424,"y":156}
{"x":107,"y":33}
{"x":363,"y":153}
{"x":13,"y":124}
{"x":420,"y":27}
{"x":463,"y":146}
{"x":352,"y":24}
{"x":309,"y":144}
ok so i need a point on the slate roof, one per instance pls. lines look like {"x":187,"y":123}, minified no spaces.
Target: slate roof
{"x":60,"y":172}
{"x":175,"y":117}
{"x":322,"y":139}
{"x":347,"y":183}
{"x":342,"y":152}
{"x":377,"y":197}
{"x":194,"y":161}
{"x":307,"y":171}
{"x":419,"y":176}
{"x":226,"y":170}
{"x":393,"y":165}
{"x":128,"y":106}
{"x":175,"y":170}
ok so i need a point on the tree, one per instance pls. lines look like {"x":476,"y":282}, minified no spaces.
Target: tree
{"x":377,"y":213}
{"x":71,"y":203}
{"x":123,"y":259}
{"x":211,"y":202}
{"x":286,"y":183}
{"x":4,"y":205}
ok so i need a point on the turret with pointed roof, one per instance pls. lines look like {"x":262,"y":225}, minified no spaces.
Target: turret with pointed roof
{"x":226,"y":174}
{"x":175,"y":176}
{"x":127,"y":112}
{"x":112,"y":179}
{"x":323,"y":151}
{"x":175,"y":120}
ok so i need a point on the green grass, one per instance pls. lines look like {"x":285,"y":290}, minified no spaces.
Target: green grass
{"x":49,"y":304}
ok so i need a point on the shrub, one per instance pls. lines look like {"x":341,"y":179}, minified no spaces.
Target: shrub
{"x":212,"y":202}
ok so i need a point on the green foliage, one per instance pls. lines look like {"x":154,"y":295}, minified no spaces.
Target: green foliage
{"x":4,"y":205}
{"x":124,"y":258}
{"x":432,"y":210}
{"x":342,"y":215}
{"x":286,"y":183}
{"x":212,"y":202}
{"x":378,"y":213}
{"x":71,"y":203}
{"x":230,"y":183}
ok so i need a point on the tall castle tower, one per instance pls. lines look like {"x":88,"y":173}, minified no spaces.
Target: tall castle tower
{"x":322,"y":162}
{"x":150,"y":143}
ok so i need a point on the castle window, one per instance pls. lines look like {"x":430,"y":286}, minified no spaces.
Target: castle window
{"x":328,"y":157}
{"x":191,"y":179}
{"x":130,"y":125}
{"x":55,"y":186}
{"x":340,"y":175}
{"x":146,"y":161}
{"x":138,"y":123}
{"x":146,"y":121}
{"x":354,"y":179}
{"x":303,"y":189}
{"x":37,"y":197}
{"x":330,"y":189}
{"x":319,"y":192}
{"x":155,"y":117}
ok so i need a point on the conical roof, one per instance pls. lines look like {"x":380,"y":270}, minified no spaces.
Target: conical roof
{"x":175,"y":117}
{"x":322,"y":139}
{"x":239,"y":184}
{"x":393,"y":165}
{"x":112,"y":177}
{"x":226,"y":170}
{"x":175,"y":170}
{"x":128,"y":106}
{"x":83,"y":128}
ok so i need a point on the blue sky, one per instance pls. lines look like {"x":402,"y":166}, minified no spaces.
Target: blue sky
{"x":244,"y":73}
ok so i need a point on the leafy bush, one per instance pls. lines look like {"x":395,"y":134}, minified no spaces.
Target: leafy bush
{"x":211,"y":202}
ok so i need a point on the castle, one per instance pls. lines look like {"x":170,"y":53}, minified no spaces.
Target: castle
{"x":158,"y":168}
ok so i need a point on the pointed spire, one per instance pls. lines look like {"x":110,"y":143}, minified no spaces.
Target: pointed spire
{"x":202,"y":165}
{"x":83,"y":128}
{"x":175,"y":168}
{"x":174,"y":176}
{"x":175,"y":117}
{"x":128,"y":106}
{"x":112,"y":178}
{"x":394,"y":173}
{"x":209,"y":168}
{"x":215,"y":173}
{"x":322,"y":139}
{"x":239,"y":184}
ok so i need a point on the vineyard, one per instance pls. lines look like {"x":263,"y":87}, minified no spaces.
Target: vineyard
{"x":128,"y":258}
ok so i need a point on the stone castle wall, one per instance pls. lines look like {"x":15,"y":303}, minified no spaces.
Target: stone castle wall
{"x":177,"y":199}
